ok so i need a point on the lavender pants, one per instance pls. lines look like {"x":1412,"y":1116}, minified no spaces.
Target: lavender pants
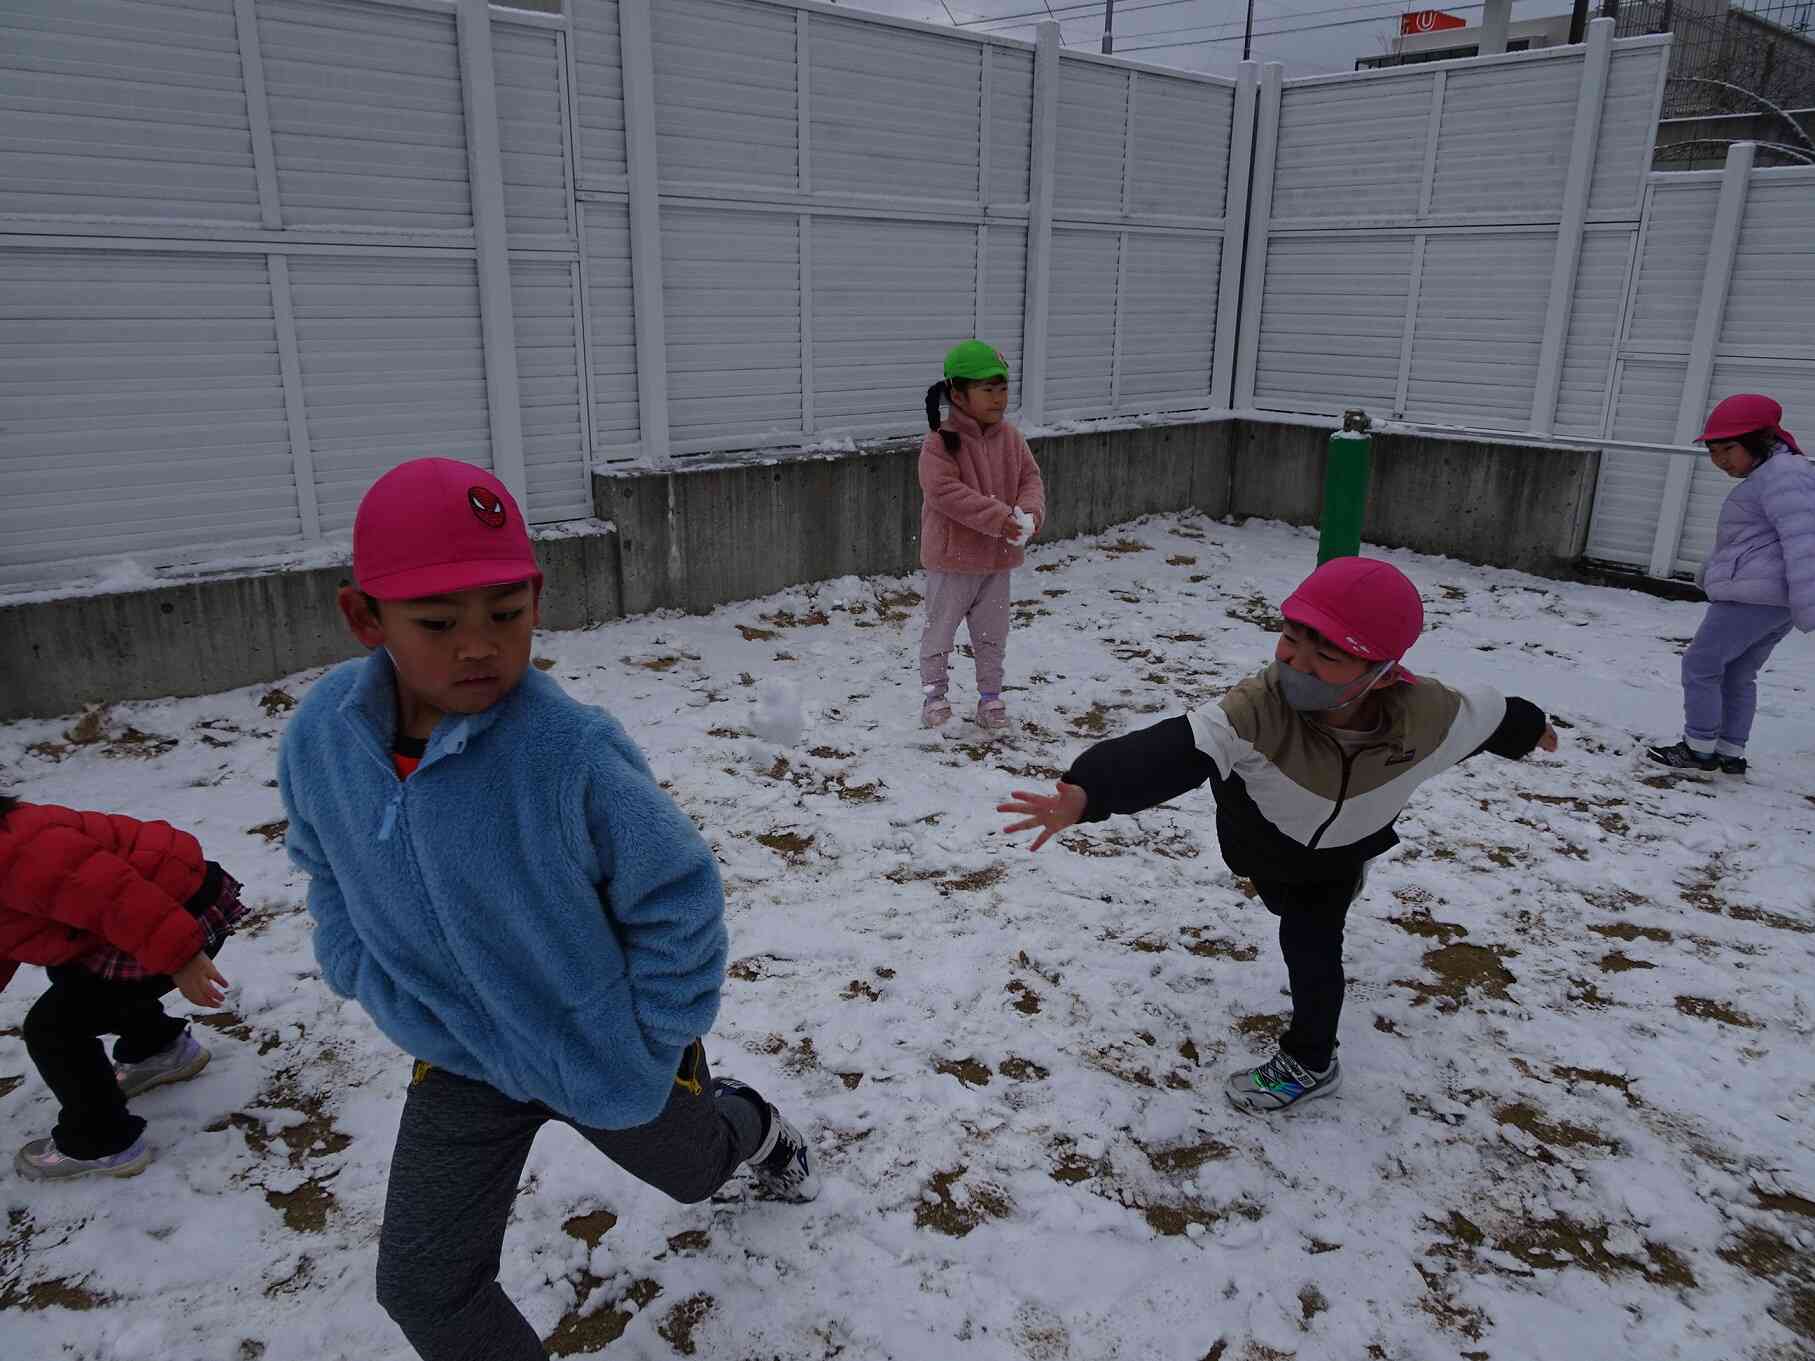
{"x":1720,"y":673}
{"x":982,"y":603}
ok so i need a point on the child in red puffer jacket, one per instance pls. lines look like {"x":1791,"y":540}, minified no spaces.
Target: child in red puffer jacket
{"x":118,"y":912}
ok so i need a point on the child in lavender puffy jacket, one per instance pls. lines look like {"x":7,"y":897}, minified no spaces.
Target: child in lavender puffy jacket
{"x":1760,"y":582}
{"x":983,"y":501}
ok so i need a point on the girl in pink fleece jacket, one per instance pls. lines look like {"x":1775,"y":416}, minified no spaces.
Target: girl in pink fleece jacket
{"x":983,"y":502}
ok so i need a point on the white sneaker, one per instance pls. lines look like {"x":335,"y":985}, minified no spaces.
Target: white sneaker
{"x":1281,"y":1083}
{"x":182,"y":1060}
{"x":783,"y":1166}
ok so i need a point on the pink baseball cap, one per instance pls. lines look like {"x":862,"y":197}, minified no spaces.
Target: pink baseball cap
{"x":434,"y":526}
{"x":1743,"y":413}
{"x":1364,"y":606}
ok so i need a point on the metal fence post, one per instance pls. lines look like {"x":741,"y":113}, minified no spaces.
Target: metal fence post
{"x":1260,"y":217}
{"x":1039,"y":224}
{"x":1235,"y":226}
{"x":1574,"y":218}
{"x":637,"y":52}
{"x":485,"y":174}
{"x":1723,"y":245}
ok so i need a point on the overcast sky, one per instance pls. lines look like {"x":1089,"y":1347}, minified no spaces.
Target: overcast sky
{"x":1330,"y":36}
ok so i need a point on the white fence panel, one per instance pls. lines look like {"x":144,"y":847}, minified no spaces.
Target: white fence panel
{"x":1004,"y":294}
{"x":895,"y":113}
{"x":1478,"y":329}
{"x":598,"y":97}
{"x":1678,"y":228}
{"x":1503,"y":151}
{"x":1333,"y":327}
{"x":1771,"y":299}
{"x":732,"y":299}
{"x":1168,"y":320}
{"x":1093,"y":137}
{"x":124,"y":109}
{"x":1080,"y":360}
{"x":367,"y":117}
{"x":1594,"y":324}
{"x":611,"y":350}
{"x":141,"y":407}
{"x":727,"y":102}
{"x":532,"y":132}
{"x":1180,"y":147}
{"x":1011,"y":109}
{"x":543,"y":305}
{"x":393,"y":368}
{"x":1628,"y":127}
{"x":887,"y":299}
{"x":1353,"y":148}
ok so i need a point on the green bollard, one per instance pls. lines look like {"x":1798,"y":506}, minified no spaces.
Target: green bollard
{"x":1345,"y":488}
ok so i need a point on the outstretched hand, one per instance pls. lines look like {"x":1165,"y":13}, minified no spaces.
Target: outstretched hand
{"x":1051,"y":813}
{"x":1548,"y":742}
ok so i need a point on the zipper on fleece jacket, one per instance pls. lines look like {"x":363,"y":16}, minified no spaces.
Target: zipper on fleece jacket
{"x":1342,"y":793}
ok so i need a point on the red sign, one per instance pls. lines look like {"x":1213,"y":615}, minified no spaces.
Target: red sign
{"x":1428,"y":21}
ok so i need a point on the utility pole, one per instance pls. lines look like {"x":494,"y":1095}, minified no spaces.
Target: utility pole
{"x":1248,"y":32}
{"x":1108,"y":26}
{"x":1578,"y":21}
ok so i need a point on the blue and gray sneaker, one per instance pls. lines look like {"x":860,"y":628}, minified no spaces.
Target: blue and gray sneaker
{"x":1281,"y":1082}
{"x":182,"y":1060}
{"x":41,"y":1160}
{"x":783,"y":1165}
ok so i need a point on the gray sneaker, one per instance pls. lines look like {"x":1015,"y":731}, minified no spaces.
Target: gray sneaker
{"x":181,"y":1061}
{"x":40,"y":1160}
{"x":1280,"y":1083}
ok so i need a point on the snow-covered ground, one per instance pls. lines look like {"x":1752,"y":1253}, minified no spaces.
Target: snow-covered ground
{"x":1577,"y":1044}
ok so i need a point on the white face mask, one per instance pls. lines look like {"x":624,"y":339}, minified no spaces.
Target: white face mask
{"x":1310,"y":694}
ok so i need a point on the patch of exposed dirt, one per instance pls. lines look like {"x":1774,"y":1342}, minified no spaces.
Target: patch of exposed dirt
{"x":589,"y":1228}
{"x":790,"y":846}
{"x":1027,"y":1001}
{"x":1555,"y":1134}
{"x":1022,"y":1070}
{"x":690,"y":1240}
{"x":1462,"y":970}
{"x":1766,"y":1256}
{"x":1427,"y":926}
{"x":1626,"y":931}
{"x":1218,"y":947}
{"x":1266,"y":1027}
{"x":860,"y":989}
{"x":975,"y":881}
{"x":275,"y":702}
{"x":1182,"y":1158}
{"x":1257,"y":610}
{"x":584,"y":1333}
{"x":956,"y":1213}
{"x":653,"y":663}
{"x":1175,"y":1221}
{"x":1095,"y":722}
{"x":306,"y":1209}
{"x":1710,"y":1009}
{"x":1600,"y":1078}
{"x":45,"y":1293}
{"x":1311,"y":1303}
{"x":968,"y":1071}
{"x":752,"y":634}
{"x":1121,"y":547}
{"x":677,"y":1328}
{"x":1618,"y":962}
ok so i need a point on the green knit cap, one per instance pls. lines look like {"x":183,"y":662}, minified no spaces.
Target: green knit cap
{"x":975,"y":361}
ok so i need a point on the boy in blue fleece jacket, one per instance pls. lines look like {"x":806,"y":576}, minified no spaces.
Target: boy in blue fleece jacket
{"x":499,"y":880}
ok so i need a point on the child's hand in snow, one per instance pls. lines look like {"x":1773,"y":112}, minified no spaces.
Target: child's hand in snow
{"x":1021,"y":528}
{"x":1548,"y":742}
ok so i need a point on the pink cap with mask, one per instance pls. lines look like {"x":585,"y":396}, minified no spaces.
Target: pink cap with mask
{"x":1364,"y":606}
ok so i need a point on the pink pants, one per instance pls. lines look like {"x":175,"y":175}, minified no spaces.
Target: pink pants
{"x":982,"y":603}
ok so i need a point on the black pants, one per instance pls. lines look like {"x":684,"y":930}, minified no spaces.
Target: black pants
{"x":460,"y":1152}
{"x":62,"y":1035}
{"x":1311,"y":918}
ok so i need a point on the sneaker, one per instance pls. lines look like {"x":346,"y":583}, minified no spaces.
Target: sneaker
{"x":40,"y":1160}
{"x":1681,"y":756}
{"x":992,"y":713}
{"x":783,"y":1165}
{"x":1733,"y":765}
{"x":936,"y":712}
{"x":1281,"y":1082}
{"x":181,"y":1061}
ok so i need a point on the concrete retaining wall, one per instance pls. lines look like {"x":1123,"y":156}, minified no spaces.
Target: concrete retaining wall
{"x":1503,"y":505}
{"x":703,"y":534}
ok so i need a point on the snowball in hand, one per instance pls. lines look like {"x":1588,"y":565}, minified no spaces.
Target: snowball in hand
{"x":1024,"y":528}
{"x":777,"y":716}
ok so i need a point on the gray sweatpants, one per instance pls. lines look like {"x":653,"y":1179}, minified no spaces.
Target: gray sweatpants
{"x":460,"y":1154}
{"x":982,"y":603}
